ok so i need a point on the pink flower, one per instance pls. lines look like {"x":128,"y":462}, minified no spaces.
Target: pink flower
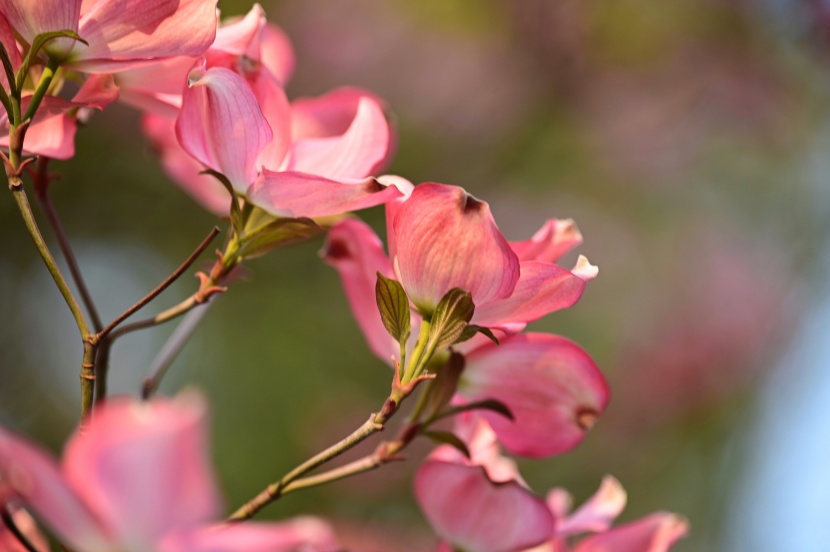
{"x":139,"y":479}
{"x":320,"y":154}
{"x":654,"y":533}
{"x":119,"y":33}
{"x":551,"y":385}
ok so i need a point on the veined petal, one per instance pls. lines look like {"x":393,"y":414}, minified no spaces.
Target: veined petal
{"x":356,"y":252}
{"x":123,"y":31}
{"x":98,"y":91}
{"x":294,"y":194}
{"x":468,"y":510}
{"x":552,"y":387}
{"x":33,"y":17}
{"x":36,"y":479}
{"x":307,"y":534}
{"x":542,"y":288}
{"x":597,"y":513}
{"x":182,"y":168}
{"x":550,"y":242}
{"x":324,"y":147}
{"x":144,"y":468}
{"x":654,"y":533}
{"x":446,"y":238}
{"x":221,"y":124}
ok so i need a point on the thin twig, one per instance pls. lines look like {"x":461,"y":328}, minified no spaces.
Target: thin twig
{"x":8,"y":520}
{"x":41,"y":177}
{"x":164,"y":285}
{"x":171,"y":349}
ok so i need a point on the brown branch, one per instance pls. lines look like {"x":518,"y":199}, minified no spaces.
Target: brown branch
{"x":162,"y":286}
{"x":41,"y":179}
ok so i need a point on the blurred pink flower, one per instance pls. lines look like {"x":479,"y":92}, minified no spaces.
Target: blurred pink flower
{"x":139,"y":479}
{"x":654,"y":533}
{"x":119,"y":33}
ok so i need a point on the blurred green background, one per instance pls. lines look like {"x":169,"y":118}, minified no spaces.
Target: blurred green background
{"x":688,"y":140}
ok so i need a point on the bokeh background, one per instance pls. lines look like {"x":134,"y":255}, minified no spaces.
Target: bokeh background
{"x":688,"y":139}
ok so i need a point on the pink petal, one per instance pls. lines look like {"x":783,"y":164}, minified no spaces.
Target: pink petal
{"x":53,"y":137}
{"x":323,"y":146}
{"x":597,"y":513}
{"x":483,"y":447}
{"x":277,"y":53}
{"x":144,"y":468}
{"x":182,"y":168}
{"x":552,"y":387}
{"x":356,"y":252}
{"x":122,"y":31}
{"x":445,"y":239}
{"x":293,"y":194}
{"x":550,"y":242}
{"x":157,"y":87}
{"x":277,"y":112}
{"x":392,"y":207}
{"x":98,"y":91}
{"x":467,"y":509}
{"x":36,"y":480}
{"x":655,"y":533}
{"x":299,"y":534}
{"x":221,"y":124}
{"x":33,"y":17}
{"x":542,"y":288}
{"x":241,"y":36}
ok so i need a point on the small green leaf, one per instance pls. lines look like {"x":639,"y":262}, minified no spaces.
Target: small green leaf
{"x":37,"y":44}
{"x":281,"y":231}
{"x":472,"y":330}
{"x":393,"y":305}
{"x":445,"y":437}
{"x":450,"y":318}
{"x":442,"y":389}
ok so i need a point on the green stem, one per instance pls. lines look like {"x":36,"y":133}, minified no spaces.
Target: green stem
{"x":419,"y":357}
{"x":271,"y":493}
{"x":45,"y":81}
{"x":25,"y":208}
{"x":87,"y":381}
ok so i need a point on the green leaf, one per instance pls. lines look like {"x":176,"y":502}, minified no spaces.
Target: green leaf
{"x":471,"y":329}
{"x":9,"y":70}
{"x":281,"y":231}
{"x":445,"y":437}
{"x":38,"y":43}
{"x":237,"y":218}
{"x":393,"y":305}
{"x":451,"y":316}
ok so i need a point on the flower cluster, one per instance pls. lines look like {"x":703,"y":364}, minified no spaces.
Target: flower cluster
{"x":446,"y":301}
